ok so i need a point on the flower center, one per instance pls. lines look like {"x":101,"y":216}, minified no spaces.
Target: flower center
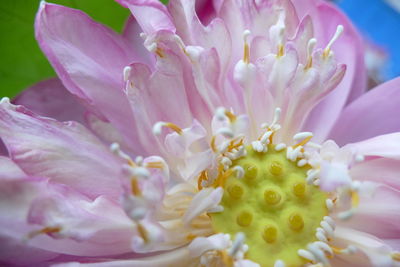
{"x":273,"y":206}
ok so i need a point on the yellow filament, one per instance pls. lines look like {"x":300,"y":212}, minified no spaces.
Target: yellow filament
{"x":309,"y":63}
{"x":174,"y":127}
{"x":396,"y":256}
{"x":302,"y":143}
{"x":202,"y":177}
{"x":281,"y":51}
{"x":155,"y":165}
{"x":246,"y":53}
{"x":355,"y":199}
{"x":231,"y":116}
{"x":159,"y":52}
{"x":143,"y":233}
{"x":212,"y":144}
{"x":135,"y":187}
{"x":46,"y":230}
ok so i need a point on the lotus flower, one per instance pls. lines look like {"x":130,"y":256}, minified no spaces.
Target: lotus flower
{"x":247,"y":142}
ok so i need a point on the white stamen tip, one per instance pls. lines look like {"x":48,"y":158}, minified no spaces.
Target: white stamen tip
{"x":152,"y":47}
{"x":114,"y":147}
{"x":280,"y":147}
{"x":246,"y":34}
{"x":279,"y":263}
{"x":329,"y":204}
{"x":157,"y":128}
{"x":345,"y":215}
{"x":310,"y":46}
{"x":143,"y":35}
{"x":339,"y":31}
{"x":306,"y":255}
{"x":237,"y":244}
{"x":5,"y":100}
{"x":359,"y":158}
{"x":302,"y":135}
{"x":127,"y":72}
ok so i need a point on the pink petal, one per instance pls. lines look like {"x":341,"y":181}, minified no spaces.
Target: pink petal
{"x":370,"y":115}
{"x":387,"y":146}
{"x":89,"y":59}
{"x":381,"y":209}
{"x":131,"y":32}
{"x":10,"y":170}
{"x":178,"y":257}
{"x":64,"y":152}
{"x":29,"y":205}
{"x":49,"y":98}
{"x":151,"y":15}
{"x":381,"y":170}
{"x":348,"y":50}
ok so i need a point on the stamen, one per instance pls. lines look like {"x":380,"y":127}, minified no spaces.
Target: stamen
{"x":46,"y":230}
{"x":127,"y":72}
{"x":310,"y":48}
{"x":304,"y":136}
{"x":157,"y":128}
{"x":279,"y":263}
{"x":246,"y":52}
{"x":327,"y":50}
{"x":237,"y":244}
{"x":396,"y":256}
{"x":135,"y":187}
{"x":155,"y":165}
{"x":143,"y":233}
{"x":116,"y":149}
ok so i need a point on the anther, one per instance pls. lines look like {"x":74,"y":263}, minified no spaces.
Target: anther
{"x":310,"y":47}
{"x":304,"y":137}
{"x":235,"y":191}
{"x":237,"y":244}
{"x":276,"y":168}
{"x":396,"y":256}
{"x":280,"y":147}
{"x":244,"y":218}
{"x":246,"y":51}
{"x":127,"y":73}
{"x":270,"y":234}
{"x":296,"y":222}
{"x":327,"y":50}
{"x":157,"y":128}
{"x":272,"y":197}
{"x":306,"y":255}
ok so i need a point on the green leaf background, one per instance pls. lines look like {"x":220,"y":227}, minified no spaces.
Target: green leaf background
{"x":22,"y":63}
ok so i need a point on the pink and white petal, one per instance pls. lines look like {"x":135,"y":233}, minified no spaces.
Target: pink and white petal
{"x":50,"y":98}
{"x":178,"y":257}
{"x":10,"y":170}
{"x":66,"y":153}
{"x":14,"y":253}
{"x":27,"y":206}
{"x":131,"y":32}
{"x":201,"y":245}
{"x":381,"y":208}
{"x":105,"y":131}
{"x":89,"y":59}
{"x":386,"y":146}
{"x":378,"y":253}
{"x":370,"y":115}
{"x":204,"y":200}
{"x":348,"y":50}
{"x":151,"y":15}
{"x":381,"y":170}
